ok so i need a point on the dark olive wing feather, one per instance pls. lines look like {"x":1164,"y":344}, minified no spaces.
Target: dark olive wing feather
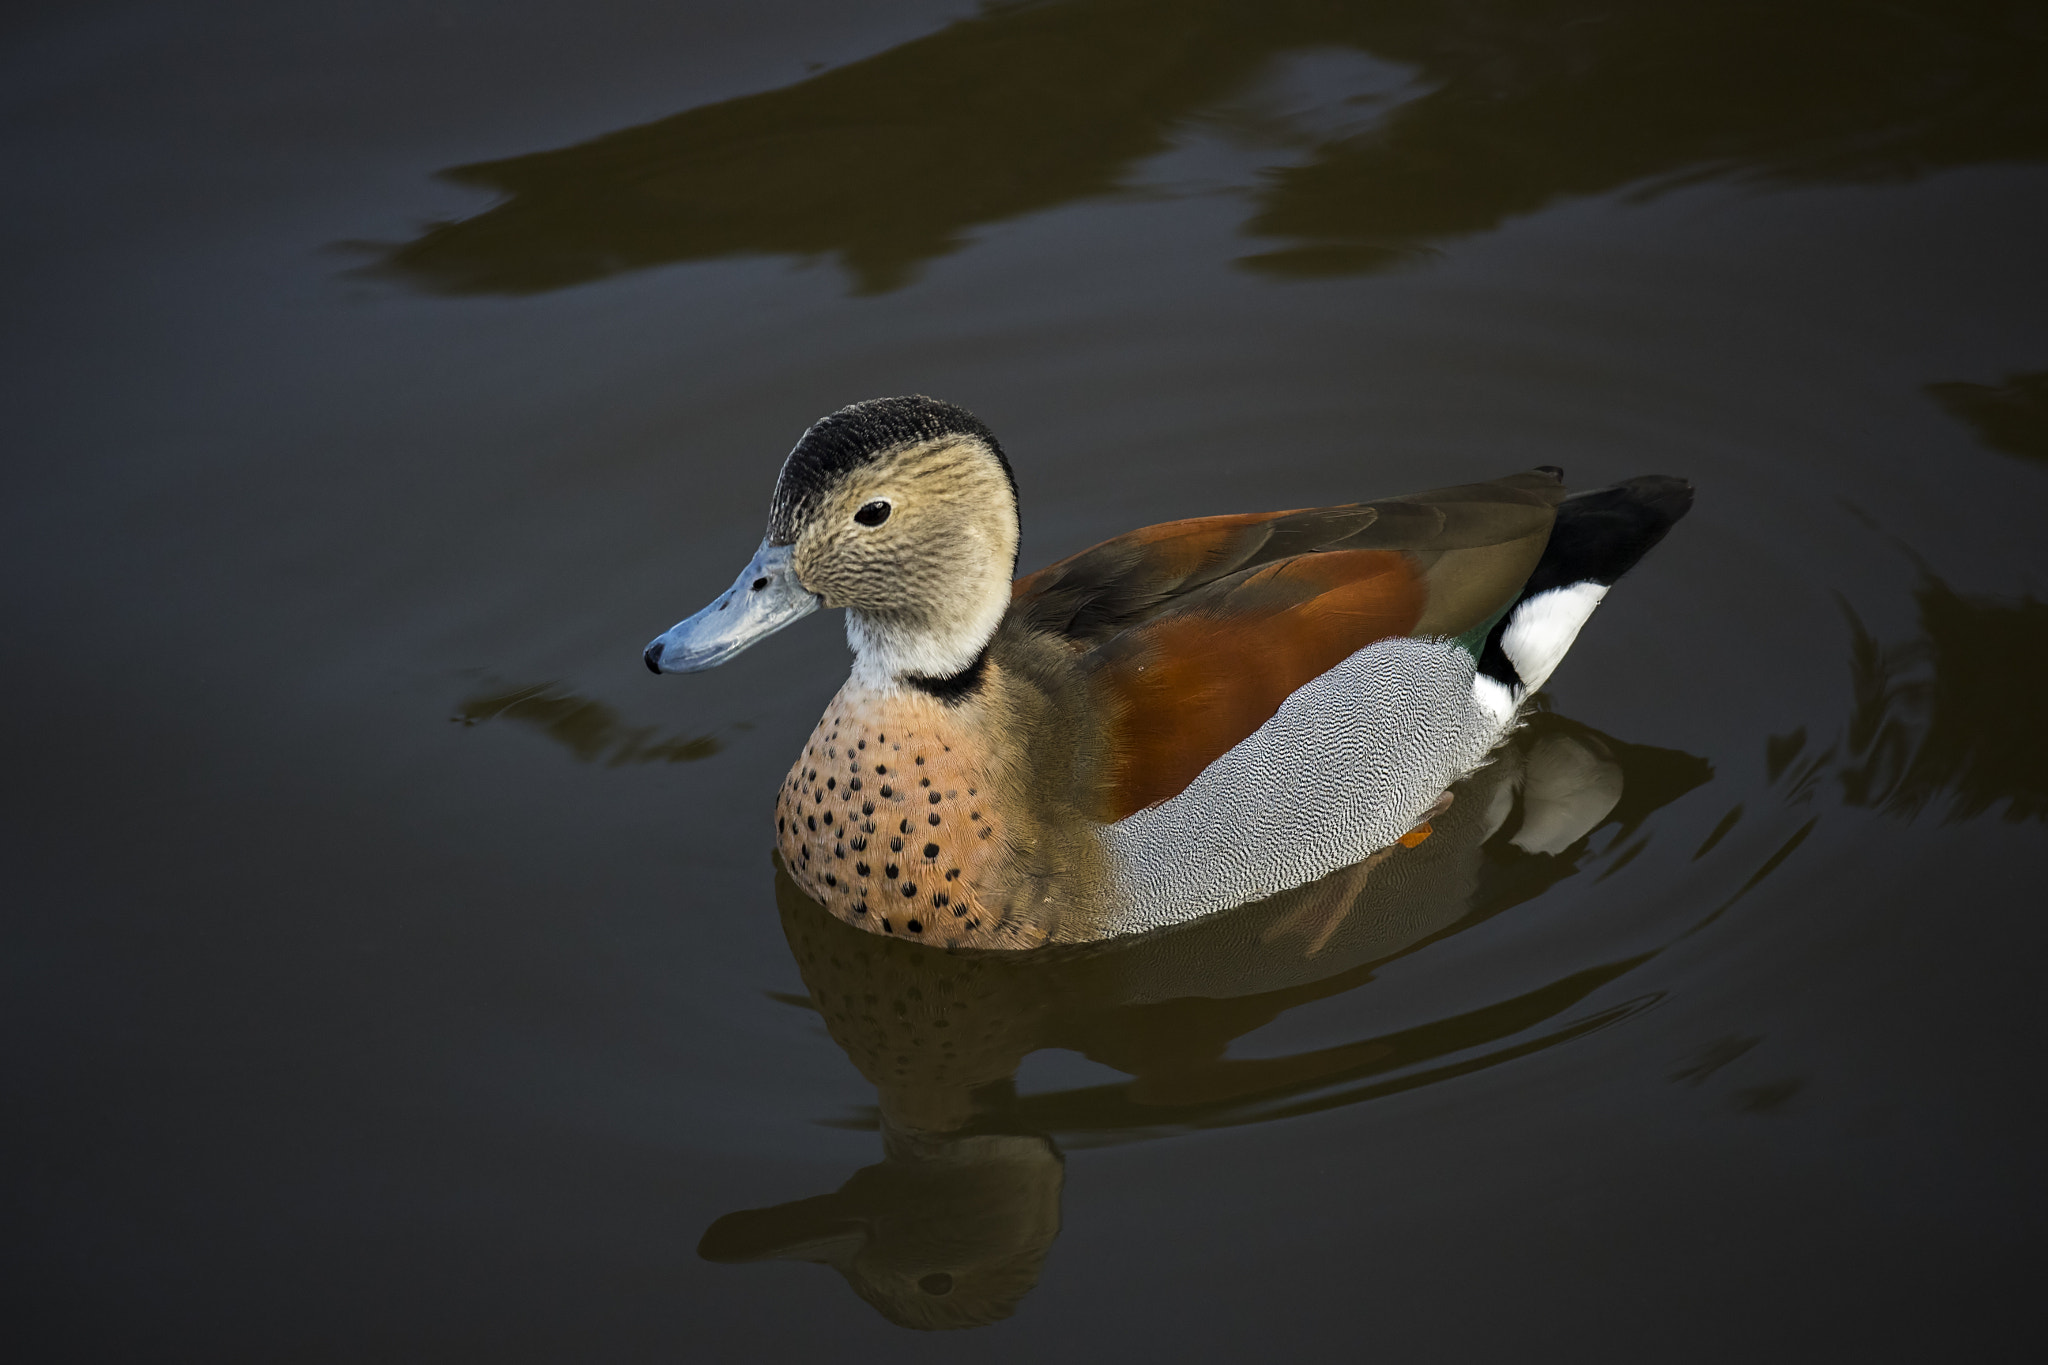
{"x":1106,"y":589}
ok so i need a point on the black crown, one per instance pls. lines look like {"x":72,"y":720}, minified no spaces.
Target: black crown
{"x":856,"y":434}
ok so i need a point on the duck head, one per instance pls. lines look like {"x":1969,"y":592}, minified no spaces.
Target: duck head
{"x":949,"y":1230}
{"x":901,"y":510}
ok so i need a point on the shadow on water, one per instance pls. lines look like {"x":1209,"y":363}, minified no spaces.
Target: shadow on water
{"x":1953,"y":716}
{"x":1505,"y":106}
{"x":589,"y":729}
{"x":2012,"y":416}
{"x":951,"y":1228}
{"x":1950,"y":718}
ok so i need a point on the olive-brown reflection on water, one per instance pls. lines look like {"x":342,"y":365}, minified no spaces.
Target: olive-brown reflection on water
{"x":2011,"y":416}
{"x":590,"y":729}
{"x":1469,"y":114}
{"x":951,"y":1227}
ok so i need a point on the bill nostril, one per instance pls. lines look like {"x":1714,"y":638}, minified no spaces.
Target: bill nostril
{"x":759,"y":584}
{"x":653,"y":657}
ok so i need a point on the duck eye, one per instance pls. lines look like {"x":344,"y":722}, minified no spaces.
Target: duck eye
{"x":873,"y":514}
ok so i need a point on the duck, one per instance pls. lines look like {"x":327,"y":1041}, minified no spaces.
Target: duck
{"x":1183,"y":719}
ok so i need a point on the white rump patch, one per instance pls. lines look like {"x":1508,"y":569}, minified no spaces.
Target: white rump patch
{"x":1543,"y":628}
{"x":1495,"y":698}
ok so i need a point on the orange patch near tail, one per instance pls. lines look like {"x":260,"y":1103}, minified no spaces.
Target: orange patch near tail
{"x":1416,"y":835}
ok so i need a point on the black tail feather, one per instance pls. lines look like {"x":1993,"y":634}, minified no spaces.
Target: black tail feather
{"x":1601,"y":533}
{"x":1599,"y":536}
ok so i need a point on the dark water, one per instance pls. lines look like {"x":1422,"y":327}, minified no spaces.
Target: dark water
{"x":394,"y":969}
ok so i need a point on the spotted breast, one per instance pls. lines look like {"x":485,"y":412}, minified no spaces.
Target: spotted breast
{"x":889,"y":823}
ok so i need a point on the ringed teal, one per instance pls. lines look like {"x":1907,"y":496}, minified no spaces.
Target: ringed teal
{"x":1177,"y":721}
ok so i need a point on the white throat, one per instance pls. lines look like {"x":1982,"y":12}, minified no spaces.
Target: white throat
{"x":887,"y":649}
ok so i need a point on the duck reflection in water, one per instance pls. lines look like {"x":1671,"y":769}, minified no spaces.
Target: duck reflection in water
{"x":951,"y":1227}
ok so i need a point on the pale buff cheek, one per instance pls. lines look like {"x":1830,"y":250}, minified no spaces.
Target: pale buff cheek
{"x":945,"y":555}
{"x":937,"y":578}
{"x":887,"y":823}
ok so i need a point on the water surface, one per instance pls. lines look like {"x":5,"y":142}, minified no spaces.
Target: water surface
{"x":394,"y":968}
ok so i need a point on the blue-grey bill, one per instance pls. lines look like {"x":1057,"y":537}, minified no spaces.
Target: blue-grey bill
{"x":765,"y":598}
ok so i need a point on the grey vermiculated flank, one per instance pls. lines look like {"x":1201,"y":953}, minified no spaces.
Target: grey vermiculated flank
{"x":1348,"y":765}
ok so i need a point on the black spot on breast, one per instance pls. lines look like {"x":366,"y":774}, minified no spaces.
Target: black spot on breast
{"x":913,"y":926}
{"x":924,"y":781}
{"x":941,"y":899}
{"x":831,"y":880}
{"x":854,"y":785}
{"x":859,"y":844}
{"x":909,"y":890}
{"x":861,"y":909}
{"x":974,"y":815}
{"x":931,"y":850}
{"x":881,"y":770}
{"x":781,"y":824}
{"x":885,"y":925}
{"x":839,"y":850}
{"x":895,"y":844}
{"x":933,"y":818}
{"x":867,"y":808}
{"x":811,"y":820}
{"x":903,"y":825}
{"x":952,"y":874}
{"x":887,"y":790}
{"x":935,"y":798}
{"x":828,"y":817}
{"x":861,"y":868}
{"x":890,"y":872}
{"x":831,"y":784}
{"x":863,"y":744}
